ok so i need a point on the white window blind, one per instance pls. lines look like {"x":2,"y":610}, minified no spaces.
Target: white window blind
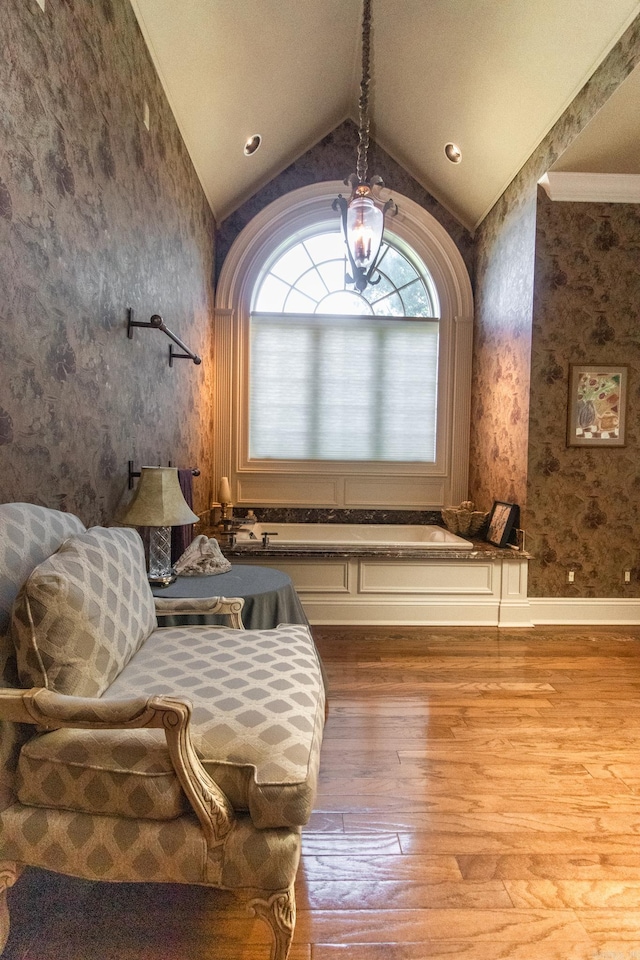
{"x":349,"y":388}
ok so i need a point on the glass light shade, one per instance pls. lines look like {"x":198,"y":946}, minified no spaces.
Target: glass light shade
{"x":365,"y":224}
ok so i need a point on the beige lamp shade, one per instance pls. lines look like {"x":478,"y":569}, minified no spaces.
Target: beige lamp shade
{"x":158,"y":500}
{"x":224,"y":491}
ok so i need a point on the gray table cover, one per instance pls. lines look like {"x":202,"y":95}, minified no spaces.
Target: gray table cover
{"x":269,"y":596}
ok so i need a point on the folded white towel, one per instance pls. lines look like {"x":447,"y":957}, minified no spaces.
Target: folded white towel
{"x":202,"y":558}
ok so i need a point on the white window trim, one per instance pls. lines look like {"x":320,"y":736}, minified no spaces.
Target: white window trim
{"x":330,"y":484}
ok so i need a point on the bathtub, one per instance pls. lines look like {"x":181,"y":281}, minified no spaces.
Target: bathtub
{"x":427,"y":537}
{"x":394,"y":574}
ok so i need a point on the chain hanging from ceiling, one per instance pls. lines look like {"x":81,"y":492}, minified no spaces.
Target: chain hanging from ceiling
{"x":363,"y":214}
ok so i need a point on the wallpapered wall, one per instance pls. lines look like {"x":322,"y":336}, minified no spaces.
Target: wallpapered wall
{"x":96,"y":214}
{"x":334,"y":158}
{"x":583,"y":504}
{"x":501,"y":356}
{"x":504,"y":303}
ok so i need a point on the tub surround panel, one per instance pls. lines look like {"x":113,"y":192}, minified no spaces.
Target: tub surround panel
{"x":583,"y":504}
{"x":378,"y":576}
{"x":96,"y":214}
{"x":318,"y":577}
{"x":478,"y":588}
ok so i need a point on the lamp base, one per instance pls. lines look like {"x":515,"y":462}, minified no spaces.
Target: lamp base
{"x":162,"y":581}
{"x":160,"y":570}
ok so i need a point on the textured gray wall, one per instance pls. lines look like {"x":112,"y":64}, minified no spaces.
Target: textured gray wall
{"x":96,"y":214}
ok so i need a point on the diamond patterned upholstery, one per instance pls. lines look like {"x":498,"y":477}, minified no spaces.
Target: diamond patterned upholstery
{"x":82,"y":613}
{"x":124,"y":773}
{"x":28,"y":535}
{"x":108,"y":848}
{"x":257,"y":724}
{"x":106,"y":804}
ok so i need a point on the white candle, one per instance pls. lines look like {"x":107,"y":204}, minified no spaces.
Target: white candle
{"x":224,"y":491}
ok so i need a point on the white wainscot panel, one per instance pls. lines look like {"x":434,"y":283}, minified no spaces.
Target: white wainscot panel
{"x":515,"y":608}
{"x":315,"y":576}
{"x":419,"y":492}
{"x":284,"y":491}
{"x":365,"y":591}
{"x":444,"y":578}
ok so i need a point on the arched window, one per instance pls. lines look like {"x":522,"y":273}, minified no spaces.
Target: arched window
{"x":336,"y":374}
{"x":339,"y":397}
{"x":310,"y":277}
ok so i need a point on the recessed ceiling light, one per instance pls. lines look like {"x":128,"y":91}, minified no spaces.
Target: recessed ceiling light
{"x":453,"y":152}
{"x":252,"y":145}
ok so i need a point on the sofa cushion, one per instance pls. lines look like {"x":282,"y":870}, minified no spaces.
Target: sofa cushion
{"x":28,"y":535}
{"x":258,"y":700}
{"x":83,"y":612}
{"x":174,"y":851}
{"x":124,"y":773}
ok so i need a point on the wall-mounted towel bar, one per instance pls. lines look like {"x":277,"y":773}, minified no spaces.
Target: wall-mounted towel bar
{"x":136,"y":473}
{"x":157,"y":323}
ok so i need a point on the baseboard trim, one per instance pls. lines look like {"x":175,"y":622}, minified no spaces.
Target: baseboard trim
{"x":462,"y":612}
{"x":395,"y":612}
{"x":579,"y":611}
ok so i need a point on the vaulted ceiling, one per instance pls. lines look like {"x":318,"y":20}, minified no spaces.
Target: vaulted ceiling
{"x":490,"y":75}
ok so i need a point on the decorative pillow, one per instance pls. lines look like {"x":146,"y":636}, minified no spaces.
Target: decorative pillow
{"x":83,"y":613}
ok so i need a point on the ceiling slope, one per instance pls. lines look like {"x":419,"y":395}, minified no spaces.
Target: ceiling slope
{"x":491,"y":75}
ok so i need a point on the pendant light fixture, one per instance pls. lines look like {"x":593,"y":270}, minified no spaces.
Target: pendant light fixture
{"x":364,"y":212}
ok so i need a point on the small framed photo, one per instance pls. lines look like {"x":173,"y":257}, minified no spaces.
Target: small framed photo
{"x":597,"y":405}
{"x":502,"y":519}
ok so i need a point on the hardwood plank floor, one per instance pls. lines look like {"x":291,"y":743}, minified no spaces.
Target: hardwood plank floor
{"x":479,"y":799}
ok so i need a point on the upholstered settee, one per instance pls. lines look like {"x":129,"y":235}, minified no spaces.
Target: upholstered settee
{"x":136,"y":753}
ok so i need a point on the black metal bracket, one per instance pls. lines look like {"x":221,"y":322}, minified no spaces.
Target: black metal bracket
{"x":173,"y":355}
{"x":157,"y":323}
{"x":132,"y":474}
{"x":136,"y":473}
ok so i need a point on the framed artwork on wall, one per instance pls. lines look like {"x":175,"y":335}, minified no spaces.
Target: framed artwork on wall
{"x":597,"y":405}
{"x":502,"y":519}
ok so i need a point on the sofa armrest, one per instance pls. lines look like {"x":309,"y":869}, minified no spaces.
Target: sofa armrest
{"x":53,"y":711}
{"x":178,"y":606}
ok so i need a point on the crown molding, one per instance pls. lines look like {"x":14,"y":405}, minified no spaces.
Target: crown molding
{"x":592,"y":187}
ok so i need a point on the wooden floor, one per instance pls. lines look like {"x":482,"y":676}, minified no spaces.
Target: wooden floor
{"x":479,"y":799}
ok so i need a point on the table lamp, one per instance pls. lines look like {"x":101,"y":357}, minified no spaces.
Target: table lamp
{"x":224,"y":496}
{"x":158,"y":503}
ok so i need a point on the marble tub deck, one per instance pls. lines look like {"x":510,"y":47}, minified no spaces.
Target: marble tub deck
{"x":481,"y":551}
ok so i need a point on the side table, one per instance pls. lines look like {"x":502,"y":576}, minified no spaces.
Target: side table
{"x":269,"y":596}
